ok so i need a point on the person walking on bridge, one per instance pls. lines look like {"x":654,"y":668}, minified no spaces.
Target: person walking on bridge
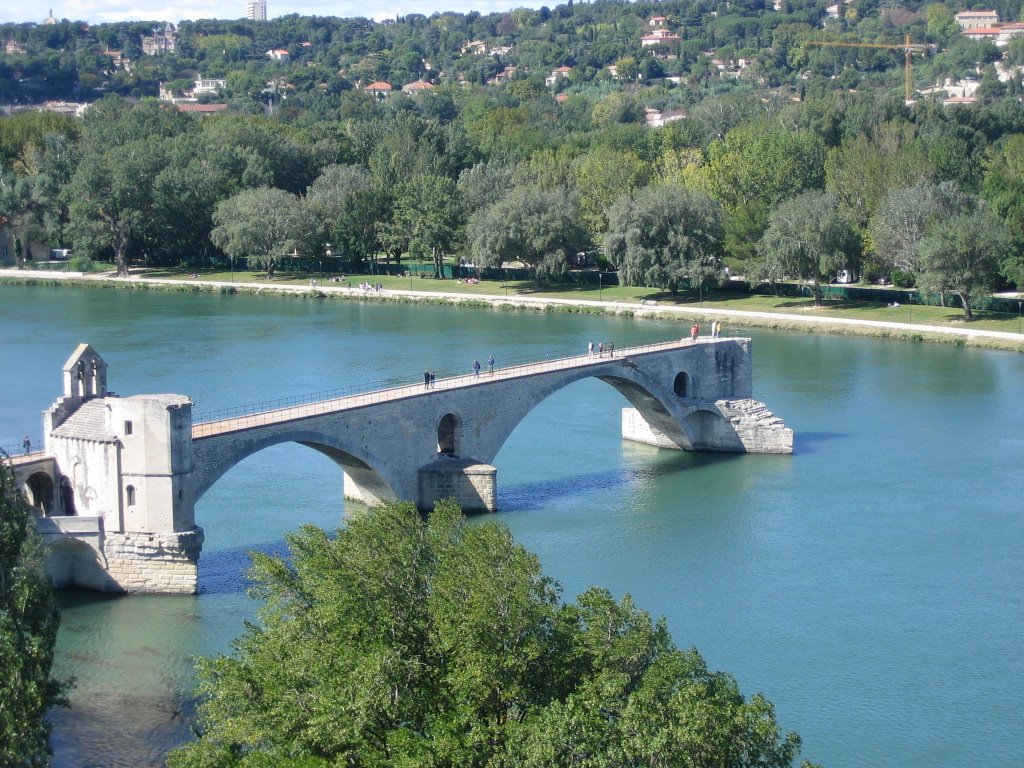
{"x":490,"y":364}
{"x":694,"y":332}
{"x":476,"y":368}
{"x":27,"y":445}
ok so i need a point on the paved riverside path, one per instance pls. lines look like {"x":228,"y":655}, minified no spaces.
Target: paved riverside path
{"x":638,"y":308}
{"x":255,"y":416}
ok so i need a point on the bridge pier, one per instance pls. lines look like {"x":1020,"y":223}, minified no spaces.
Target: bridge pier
{"x":730,"y":426}
{"x":473,"y":484}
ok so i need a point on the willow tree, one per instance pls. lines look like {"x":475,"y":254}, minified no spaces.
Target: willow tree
{"x":664,"y":236}
{"x":808,"y":237}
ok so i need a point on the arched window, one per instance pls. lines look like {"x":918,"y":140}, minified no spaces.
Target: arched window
{"x":446,"y":429}
{"x":129,"y":493}
{"x":682,"y":386}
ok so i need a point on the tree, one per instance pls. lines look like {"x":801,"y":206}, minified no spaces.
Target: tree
{"x":961,"y":254}
{"x":665,"y":235}
{"x":808,"y":237}
{"x":28,"y":632}
{"x":903,"y":218}
{"x":428,"y":213}
{"x":1003,"y":189}
{"x":263,"y":222}
{"x":111,"y":196}
{"x":763,"y":162}
{"x":602,"y":176}
{"x":538,"y":227}
{"x":404,"y":641}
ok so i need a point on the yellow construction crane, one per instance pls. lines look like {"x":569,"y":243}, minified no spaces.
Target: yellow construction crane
{"x":908,"y":48}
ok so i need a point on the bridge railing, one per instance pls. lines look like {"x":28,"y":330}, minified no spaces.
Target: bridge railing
{"x":328,"y":401}
{"x":18,"y":449}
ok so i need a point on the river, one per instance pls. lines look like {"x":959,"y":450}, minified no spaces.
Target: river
{"x":870,"y":585}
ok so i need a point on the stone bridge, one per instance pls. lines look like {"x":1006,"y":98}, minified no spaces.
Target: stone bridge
{"x":129,"y":470}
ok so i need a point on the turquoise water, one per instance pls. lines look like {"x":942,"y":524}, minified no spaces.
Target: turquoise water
{"x":870,"y":585}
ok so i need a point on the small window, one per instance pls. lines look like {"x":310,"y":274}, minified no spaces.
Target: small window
{"x":129,"y":492}
{"x":127,"y":427}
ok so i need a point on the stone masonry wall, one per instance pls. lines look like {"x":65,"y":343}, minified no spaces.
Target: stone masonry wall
{"x":165,"y":563}
{"x":473,"y":485}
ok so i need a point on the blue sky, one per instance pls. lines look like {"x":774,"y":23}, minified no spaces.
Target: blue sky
{"x":100,"y":11}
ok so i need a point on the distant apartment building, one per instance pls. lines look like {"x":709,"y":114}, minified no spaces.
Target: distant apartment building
{"x":256,"y":10}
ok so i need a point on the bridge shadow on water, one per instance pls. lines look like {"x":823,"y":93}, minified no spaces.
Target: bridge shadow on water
{"x":524,"y":497}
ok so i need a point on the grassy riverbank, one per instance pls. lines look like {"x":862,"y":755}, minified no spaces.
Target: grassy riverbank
{"x":911,"y":322}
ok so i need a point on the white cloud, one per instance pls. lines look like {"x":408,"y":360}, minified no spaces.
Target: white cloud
{"x":105,"y":11}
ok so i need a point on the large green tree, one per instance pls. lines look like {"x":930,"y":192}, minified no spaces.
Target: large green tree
{"x":664,"y":236}
{"x":961,"y":254}
{"x":536,"y":226}
{"x":405,"y":642}
{"x":808,"y":237}
{"x":28,"y":631}
{"x":263,"y":223}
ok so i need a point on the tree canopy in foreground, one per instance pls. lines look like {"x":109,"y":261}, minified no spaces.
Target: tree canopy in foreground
{"x":28,"y":632}
{"x":411,"y":642}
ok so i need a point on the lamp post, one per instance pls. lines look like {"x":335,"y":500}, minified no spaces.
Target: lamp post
{"x":600,"y":285}
{"x":232,"y":267}
{"x":327,"y":253}
{"x":506,"y":284}
{"x":910,"y":303}
{"x":1019,"y":303}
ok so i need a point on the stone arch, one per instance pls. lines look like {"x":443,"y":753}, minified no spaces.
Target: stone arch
{"x":39,"y":490}
{"x":651,"y":396}
{"x":71,"y":562}
{"x":213,"y":459}
{"x":448,"y":429}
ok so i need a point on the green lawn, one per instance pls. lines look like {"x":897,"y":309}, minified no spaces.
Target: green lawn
{"x":918,"y":314}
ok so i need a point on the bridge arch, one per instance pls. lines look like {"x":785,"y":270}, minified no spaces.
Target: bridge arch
{"x":213,"y":458}
{"x":653,"y":397}
{"x":39,"y":491}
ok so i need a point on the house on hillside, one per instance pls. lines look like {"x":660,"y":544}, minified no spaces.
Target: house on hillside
{"x":478,"y":47}
{"x":659,"y":36}
{"x":1009,"y":31}
{"x":982,"y":33}
{"x":976,"y":19}
{"x":556,"y":75}
{"x":278,"y":54}
{"x":419,"y":86}
{"x":161,"y":41}
{"x":379,"y":90}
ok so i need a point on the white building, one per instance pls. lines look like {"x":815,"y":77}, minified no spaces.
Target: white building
{"x":974,"y":19}
{"x":256,"y":10}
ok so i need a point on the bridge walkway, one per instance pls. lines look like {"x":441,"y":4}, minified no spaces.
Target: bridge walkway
{"x":220,"y":423}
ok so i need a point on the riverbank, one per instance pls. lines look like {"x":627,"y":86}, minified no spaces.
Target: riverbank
{"x":816,"y":320}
